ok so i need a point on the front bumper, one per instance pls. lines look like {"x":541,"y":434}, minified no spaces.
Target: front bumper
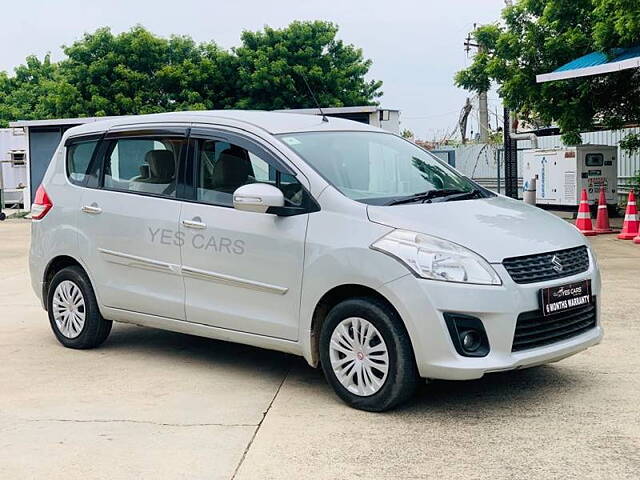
{"x":422,"y":303}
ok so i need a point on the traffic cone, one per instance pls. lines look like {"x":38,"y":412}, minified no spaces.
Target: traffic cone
{"x":636,"y":239}
{"x":630,"y":225}
{"x":583,"y":222}
{"x":602,"y":220}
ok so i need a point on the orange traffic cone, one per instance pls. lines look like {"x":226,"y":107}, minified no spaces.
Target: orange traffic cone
{"x":583,"y":222}
{"x":636,"y":239}
{"x":602,"y":220}
{"x":630,"y":225}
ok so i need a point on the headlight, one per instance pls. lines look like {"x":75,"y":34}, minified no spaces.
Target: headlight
{"x":437,"y":259}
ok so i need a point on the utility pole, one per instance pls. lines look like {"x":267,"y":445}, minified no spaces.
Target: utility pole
{"x":483,"y":112}
{"x":462,"y":120}
{"x":483,"y":107}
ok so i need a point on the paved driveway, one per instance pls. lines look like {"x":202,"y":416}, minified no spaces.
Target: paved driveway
{"x":153,"y":404}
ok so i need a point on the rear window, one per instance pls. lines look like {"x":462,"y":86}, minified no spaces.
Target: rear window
{"x":144,"y":165}
{"x":78,"y":159}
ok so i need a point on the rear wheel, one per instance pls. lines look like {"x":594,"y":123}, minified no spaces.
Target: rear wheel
{"x":73,"y":310}
{"x":366,"y":355}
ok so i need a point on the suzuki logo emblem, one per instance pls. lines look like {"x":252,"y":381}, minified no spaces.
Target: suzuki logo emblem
{"x":556,"y":264}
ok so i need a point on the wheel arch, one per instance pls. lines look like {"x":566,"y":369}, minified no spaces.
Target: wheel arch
{"x":333,"y":297}
{"x":54,"y":266}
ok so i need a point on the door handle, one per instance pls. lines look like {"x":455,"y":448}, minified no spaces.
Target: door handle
{"x":93,"y":209}
{"x":195,"y":223}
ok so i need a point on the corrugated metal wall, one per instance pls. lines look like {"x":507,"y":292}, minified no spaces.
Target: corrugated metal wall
{"x":480,"y":162}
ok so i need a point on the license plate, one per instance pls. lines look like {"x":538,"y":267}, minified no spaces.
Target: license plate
{"x":565,"y":297}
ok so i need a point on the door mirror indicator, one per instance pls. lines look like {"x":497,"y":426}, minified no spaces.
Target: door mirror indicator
{"x":257,"y":197}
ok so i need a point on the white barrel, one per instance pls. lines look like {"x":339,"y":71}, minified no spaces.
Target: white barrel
{"x":529,"y":194}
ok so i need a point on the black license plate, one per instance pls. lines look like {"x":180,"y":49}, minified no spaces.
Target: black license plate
{"x":565,"y":297}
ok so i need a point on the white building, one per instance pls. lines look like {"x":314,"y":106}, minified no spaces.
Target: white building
{"x":13,"y":166}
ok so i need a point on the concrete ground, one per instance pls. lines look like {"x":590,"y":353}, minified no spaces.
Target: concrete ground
{"x":153,"y":404}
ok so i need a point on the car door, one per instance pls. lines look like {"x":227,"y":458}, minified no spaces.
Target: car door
{"x":128,"y":223}
{"x":242,"y":270}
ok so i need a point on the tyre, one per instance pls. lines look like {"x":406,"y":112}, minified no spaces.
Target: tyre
{"x":366,"y":355}
{"x":73,"y":310}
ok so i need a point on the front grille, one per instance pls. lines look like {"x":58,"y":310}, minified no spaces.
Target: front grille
{"x":533,"y":329}
{"x":539,"y":267}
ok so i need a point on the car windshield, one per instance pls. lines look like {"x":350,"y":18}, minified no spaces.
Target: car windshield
{"x":380,"y":168}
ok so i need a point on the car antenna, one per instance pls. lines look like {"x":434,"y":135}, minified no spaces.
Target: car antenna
{"x":324,"y":117}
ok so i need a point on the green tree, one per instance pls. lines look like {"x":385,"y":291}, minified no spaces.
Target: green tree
{"x":37,"y":90}
{"x":617,"y":23}
{"x":406,"y":133}
{"x":538,"y":36}
{"x":137,"y":72}
{"x":272,"y":64}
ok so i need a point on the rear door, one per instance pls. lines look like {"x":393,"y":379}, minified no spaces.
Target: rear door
{"x":128,"y":222}
{"x":242,"y":270}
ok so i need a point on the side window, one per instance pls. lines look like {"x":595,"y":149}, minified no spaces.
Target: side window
{"x":224,"y":167}
{"x":148,"y":165}
{"x":78,"y":160}
{"x":261,"y":169}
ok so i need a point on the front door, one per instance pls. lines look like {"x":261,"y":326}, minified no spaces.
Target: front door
{"x":128,"y":225}
{"x":242,"y":270}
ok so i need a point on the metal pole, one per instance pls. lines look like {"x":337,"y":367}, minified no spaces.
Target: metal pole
{"x":498,"y":155}
{"x":510,"y":159}
{"x":2,"y":215}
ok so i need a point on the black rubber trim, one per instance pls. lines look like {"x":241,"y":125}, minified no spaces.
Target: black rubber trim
{"x":457,"y":323}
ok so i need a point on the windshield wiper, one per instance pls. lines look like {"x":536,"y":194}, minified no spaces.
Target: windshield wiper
{"x":475,"y":193}
{"x":425,"y":197}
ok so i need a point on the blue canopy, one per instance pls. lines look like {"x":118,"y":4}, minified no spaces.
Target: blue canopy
{"x":595,"y":63}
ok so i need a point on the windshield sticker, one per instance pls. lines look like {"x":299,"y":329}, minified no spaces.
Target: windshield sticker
{"x":291,"y":141}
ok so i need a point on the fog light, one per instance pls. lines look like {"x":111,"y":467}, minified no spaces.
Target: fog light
{"x":467,"y":334}
{"x":470,"y":340}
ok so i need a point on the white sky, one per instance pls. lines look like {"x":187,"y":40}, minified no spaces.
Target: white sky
{"x":416,"y":46}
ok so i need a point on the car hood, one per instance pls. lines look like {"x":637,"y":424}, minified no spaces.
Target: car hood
{"x":495,"y":227}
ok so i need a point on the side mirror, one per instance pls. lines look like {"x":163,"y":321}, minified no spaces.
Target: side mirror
{"x":257,"y":197}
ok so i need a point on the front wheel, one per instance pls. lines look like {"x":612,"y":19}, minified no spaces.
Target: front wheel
{"x":366,"y":355}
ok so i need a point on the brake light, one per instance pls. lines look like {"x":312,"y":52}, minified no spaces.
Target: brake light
{"x":41,"y":204}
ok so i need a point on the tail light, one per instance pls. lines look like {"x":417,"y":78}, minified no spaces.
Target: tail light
{"x":41,"y":204}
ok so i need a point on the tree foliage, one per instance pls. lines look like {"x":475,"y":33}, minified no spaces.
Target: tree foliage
{"x":137,"y":72}
{"x":406,"y":133}
{"x":538,"y":36}
{"x":272,"y":65}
